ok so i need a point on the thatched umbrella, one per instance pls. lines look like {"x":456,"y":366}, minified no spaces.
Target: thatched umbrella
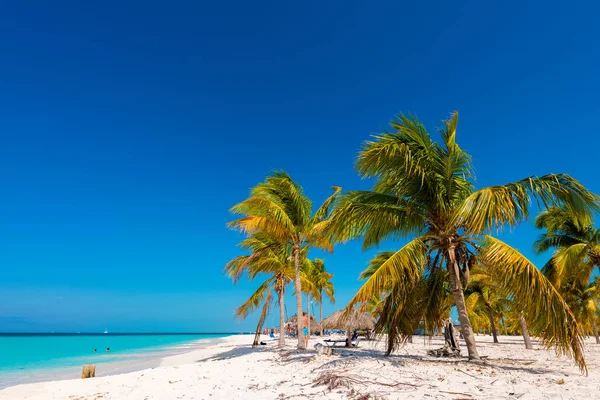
{"x":314,"y":325}
{"x":354,"y":320}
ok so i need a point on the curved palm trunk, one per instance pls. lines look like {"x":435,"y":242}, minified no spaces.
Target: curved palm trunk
{"x":459,"y":302}
{"x":281,"y":317}
{"x":298,"y":285}
{"x":595,"y":329}
{"x":261,"y":321}
{"x":493,"y":324}
{"x":321,"y":314}
{"x":525,"y":332}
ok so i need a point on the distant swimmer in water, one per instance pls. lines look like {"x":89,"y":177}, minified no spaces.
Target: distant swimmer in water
{"x":94,"y":350}
{"x":107,"y":349}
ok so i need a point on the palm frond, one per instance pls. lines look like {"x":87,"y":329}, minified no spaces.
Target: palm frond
{"x":255,"y":300}
{"x":547,"y":241}
{"x":568,"y":261}
{"x":323,"y":212}
{"x":402,"y":268}
{"x":545,"y":310}
{"x":256,"y":223}
{"x":374,"y":216}
{"x":495,"y":206}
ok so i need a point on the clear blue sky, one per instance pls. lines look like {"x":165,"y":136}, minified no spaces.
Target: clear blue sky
{"x":129,"y":129}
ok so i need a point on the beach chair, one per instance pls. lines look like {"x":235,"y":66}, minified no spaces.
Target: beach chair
{"x":334,"y":343}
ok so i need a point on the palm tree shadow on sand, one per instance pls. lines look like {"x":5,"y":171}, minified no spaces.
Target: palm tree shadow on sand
{"x":344,"y":357}
{"x":235,"y":352}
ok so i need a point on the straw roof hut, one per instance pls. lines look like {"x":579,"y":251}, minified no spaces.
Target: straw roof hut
{"x":293,"y":321}
{"x":355,"y":320}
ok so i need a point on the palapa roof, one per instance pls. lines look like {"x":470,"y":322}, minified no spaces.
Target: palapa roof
{"x":314,"y":325}
{"x":355,"y":320}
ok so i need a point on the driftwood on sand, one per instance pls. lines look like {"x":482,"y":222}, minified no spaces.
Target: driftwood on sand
{"x":323,"y":350}
{"x":451,"y":348}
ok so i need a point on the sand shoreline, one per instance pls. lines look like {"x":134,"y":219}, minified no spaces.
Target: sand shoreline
{"x":132,"y":362}
{"x":233,"y":369}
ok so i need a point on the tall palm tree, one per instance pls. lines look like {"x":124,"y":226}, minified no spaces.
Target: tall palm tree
{"x":323,"y":285}
{"x":576,"y":245}
{"x":425,"y":190}
{"x":279,"y":208}
{"x":309,"y":288}
{"x":267,"y":257}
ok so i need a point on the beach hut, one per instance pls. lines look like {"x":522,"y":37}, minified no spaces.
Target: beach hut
{"x":293,"y":321}
{"x":354,"y":320}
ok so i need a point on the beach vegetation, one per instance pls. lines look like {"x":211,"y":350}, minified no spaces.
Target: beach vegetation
{"x":424,"y":193}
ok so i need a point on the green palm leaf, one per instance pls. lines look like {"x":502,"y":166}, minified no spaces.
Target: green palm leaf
{"x":545,"y":309}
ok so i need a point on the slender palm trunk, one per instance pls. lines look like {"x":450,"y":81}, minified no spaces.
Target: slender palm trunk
{"x":281,"y":317}
{"x":459,"y":302}
{"x":595,"y":329}
{"x":321,"y":313}
{"x":261,"y":321}
{"x":493,"y":324}
{"x":525,"y":332}
{"x":298,"y":284}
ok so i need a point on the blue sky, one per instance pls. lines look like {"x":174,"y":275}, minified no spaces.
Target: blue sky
{"x":129,"y":129}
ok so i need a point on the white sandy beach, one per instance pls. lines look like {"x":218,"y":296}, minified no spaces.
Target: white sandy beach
{"x":231,"y":369}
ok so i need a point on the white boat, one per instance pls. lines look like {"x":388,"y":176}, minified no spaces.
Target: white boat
{"x":105,"y":331}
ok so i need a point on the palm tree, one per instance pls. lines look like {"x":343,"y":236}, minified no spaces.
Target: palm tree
{"x":322,"y":281}
{"x":267,"y":257}
{"x":279,"y":208}
{"x":576,"y":245}
{"x":583,"y":300}
{"x":308,"y":275}
{"x":425,"y":190}
{"x":481,"y":298}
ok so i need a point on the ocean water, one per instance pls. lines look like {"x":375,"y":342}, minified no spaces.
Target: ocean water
{"x":36,"y":357}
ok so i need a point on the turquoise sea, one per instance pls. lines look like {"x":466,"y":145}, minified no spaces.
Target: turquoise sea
{"x":30,"y":357}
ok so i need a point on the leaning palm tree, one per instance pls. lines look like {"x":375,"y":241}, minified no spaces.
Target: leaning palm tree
{"x":576,"y":245}
{"x":268,"y":257}
{"x":279,"y":208}
{"x":425,"y":190}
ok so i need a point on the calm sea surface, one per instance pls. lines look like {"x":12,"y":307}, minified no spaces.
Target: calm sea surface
{"x":29,"y":355}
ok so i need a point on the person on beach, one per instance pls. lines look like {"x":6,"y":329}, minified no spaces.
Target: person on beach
{"x":305,"y":330}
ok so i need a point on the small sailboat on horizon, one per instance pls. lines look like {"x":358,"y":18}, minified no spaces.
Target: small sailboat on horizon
{"x":105,"y":331}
